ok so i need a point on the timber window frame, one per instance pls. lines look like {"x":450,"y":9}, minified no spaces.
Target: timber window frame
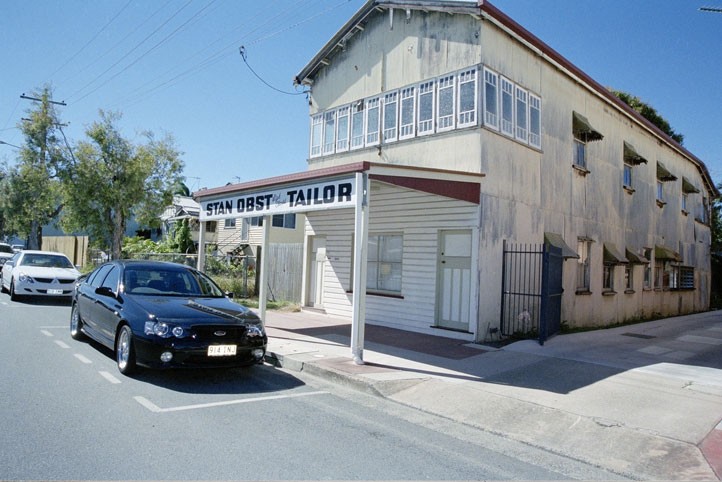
{"x":343,"y":128}
{"x":534,"y":120}
{"x":491,"y":99}
{"x":385,"y":263}
{"x":329,"y":132}
{"x":407,"y":114}
{"x":521,"y":114}
{"x":507,"y":106}
{"x":426,"y":108}
{"x":445,"y":113}
{"x":372,"y":121}
{"x":391,"y":117}
{"x":584,"y":248}
{"x":467,"y":98}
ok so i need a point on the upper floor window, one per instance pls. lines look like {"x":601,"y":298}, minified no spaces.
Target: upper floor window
{"x":373,"y":121}
{"x":467,"y":98}
{"x":663,"y":175}
{"x":631,"y":158}
{"x":445,"y":103}
{"x":507,"y":107}
{"x":408,"y":113}
{"x":229,"y":223}
{"x":391,"y":114}
{"x":357,"y":125}
{"x":316,"y":134}
{"x":491,"y":96}
{"x":522,"y":106}
{"x":426,"y":108}
{"x":343,"y":122}
{"x":329,"y":132}
{"x":583,"y":133}
{"x":687,"y":189}
{"x":534,"y":120}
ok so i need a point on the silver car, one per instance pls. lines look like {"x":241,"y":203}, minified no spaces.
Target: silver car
{"x":6,"y":252}
{"x":38,"y":273}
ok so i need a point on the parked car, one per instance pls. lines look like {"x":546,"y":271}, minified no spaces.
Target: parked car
{"x":38,"y":273}
{"x":18,"y":247}
{"x":6,"y":252}
{"x":164,"y":315}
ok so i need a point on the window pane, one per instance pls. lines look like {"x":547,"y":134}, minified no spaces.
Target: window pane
{"x":342,"y":129}
{"x":357,"y":126}
{"x":390,"y":116}
{"x":534,"y":121}
{"x":408,"y":106}
{"x":491,"y":94}
{"x":316,"y":134}
{"x":507,"y":106}
{"x":372,"y":121}
{"x":446,"y":103}
{"x":426,"y":108}
{"x":467,"y":98}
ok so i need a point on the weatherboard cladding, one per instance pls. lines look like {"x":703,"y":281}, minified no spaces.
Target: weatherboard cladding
{"x":488,"y":11}
{"x":418,"y":216}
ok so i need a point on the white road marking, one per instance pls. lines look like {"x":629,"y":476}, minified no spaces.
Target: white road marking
{"x":46,"y":333}
{"x":109,"y":377}
{"x":55,"y":327}
{"x":155,"y":408}
{"x":83,"y":359}
{"x":62,"y":344}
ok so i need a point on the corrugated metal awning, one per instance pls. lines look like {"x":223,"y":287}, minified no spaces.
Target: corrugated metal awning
{"x":688,"y":187}
{"x":557,"y":241}
{"x":663,"y":174}
{"x":583,"y":130}
{"x":662,"y":253}
{"x":631,"y":156}
{"x":612,"y":255}
{"x":635,"y":258}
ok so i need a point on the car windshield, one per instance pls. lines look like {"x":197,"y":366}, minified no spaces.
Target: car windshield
{"x":172,"y":282}
{"x":45,"y":261}
{"x":6,"y":248}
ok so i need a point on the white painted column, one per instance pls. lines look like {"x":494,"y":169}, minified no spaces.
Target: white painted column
{"x":263,"y":279}
{"x":361,"y":237}
{"x":202,"y":246}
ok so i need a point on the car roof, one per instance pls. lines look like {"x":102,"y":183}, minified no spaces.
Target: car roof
{"x":37,"y":251}
{"x":150,"y":264}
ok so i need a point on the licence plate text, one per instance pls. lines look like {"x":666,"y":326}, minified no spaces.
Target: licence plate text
{"x":222,"y":350}
{"x":55,"y":292}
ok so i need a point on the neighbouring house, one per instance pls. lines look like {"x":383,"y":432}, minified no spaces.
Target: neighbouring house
{"x":465,"y":179}
{"x":185,"y":208}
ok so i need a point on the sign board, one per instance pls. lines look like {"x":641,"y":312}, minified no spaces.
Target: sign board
{"x":329,"y":194}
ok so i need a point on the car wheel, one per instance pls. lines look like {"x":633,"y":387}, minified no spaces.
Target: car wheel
{"x":13,"y":296}
{"x":76,"y":324}
{"x":125,"y":351}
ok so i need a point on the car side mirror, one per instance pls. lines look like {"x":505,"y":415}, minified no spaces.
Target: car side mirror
{"x":104,"y":291}
{"x":229,"y":294}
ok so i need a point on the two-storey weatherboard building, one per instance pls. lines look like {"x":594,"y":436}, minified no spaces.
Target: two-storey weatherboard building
{"x":446,"y":144}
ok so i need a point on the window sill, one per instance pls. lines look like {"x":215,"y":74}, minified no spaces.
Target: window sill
{"x":629,"y":292}
{"x":583,"y":292}
{"x":661,"y":204}
{"x":581,"y":170}
{"x":609,"y":293}
{"x":629,"y":189}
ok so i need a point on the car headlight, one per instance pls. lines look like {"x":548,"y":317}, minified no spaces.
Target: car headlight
{"x":23,"y":278}
{"x":163,"y":329}
{"x":253,"y":331}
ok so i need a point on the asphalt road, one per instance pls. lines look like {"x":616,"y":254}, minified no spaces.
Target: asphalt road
{"x":67,"y":413}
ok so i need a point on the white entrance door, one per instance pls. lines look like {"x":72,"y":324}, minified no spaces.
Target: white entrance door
{"x":453,"y":297}
{"x":317,"y":262}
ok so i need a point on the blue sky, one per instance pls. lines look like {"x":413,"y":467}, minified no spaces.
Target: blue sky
{"x":174,"y":66}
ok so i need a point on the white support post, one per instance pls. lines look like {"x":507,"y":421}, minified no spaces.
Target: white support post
{"x":263,"y":279}
{"x":361,"y":236}
{"x":202,"y":246}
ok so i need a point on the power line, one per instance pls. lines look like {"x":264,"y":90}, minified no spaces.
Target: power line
{"x":711,"y":9}
{"x":91,"y":39}
{"x":242,"y":51}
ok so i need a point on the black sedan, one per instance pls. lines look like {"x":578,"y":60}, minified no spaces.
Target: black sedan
{"x":164,"y":315}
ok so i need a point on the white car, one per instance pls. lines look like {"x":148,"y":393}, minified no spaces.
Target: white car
{"x":38,"y":273}
{"x":6,"y":252}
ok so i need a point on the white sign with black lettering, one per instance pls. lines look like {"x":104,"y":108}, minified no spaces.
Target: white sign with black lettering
{"x":332,"y":194}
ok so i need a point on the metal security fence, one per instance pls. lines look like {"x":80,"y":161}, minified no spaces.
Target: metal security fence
{"x":531,"y":290}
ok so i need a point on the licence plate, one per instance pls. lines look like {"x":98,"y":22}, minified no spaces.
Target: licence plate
{"x":55,"y":292}
{"x":222,"y":350}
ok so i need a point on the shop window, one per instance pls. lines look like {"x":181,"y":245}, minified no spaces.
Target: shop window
{"x":287,"y":221}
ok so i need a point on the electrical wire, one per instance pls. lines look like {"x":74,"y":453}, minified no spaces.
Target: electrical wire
{"x":242,"y":51}
{"x":137,"y":46}
{"x":102,"y":29}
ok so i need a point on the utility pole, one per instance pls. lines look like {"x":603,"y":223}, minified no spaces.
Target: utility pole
{"x":23,"y":96}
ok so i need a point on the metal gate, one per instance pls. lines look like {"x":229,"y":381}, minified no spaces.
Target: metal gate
{"x":531,"y":291}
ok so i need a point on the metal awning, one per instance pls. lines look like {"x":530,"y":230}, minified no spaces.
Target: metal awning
{"x":662,"y":253}
{"x":635,"y":258}
{"x":631,"y":156}
{"x":688,"y":187}
{"x":612,"y":255}
{"x":557,"y":241}
{"x":583,"y":130}
{"x":663,"y":174}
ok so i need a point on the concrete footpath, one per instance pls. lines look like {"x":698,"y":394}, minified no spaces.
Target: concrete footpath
{"x":643,"y":401}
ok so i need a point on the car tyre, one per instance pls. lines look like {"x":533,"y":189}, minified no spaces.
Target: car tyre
{"x":13,"y":296}
{"x":125,"y":351}
{"x":76,"y":324}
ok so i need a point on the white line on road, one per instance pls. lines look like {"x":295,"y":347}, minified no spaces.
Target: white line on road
{"x":109,"y":377}
{"x":83,"y":359}
{"x":155,"y":408}
{"x":62,"y":344}
{"x":53,"y":327}
{"x":46,"y":333}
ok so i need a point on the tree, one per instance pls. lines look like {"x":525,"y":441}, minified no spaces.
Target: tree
{"x":649,"y":113}
{"x":112,"y":180}
{"x":31,"y":194}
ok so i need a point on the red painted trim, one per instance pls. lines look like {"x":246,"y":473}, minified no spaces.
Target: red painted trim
{"x":463,"y":191}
